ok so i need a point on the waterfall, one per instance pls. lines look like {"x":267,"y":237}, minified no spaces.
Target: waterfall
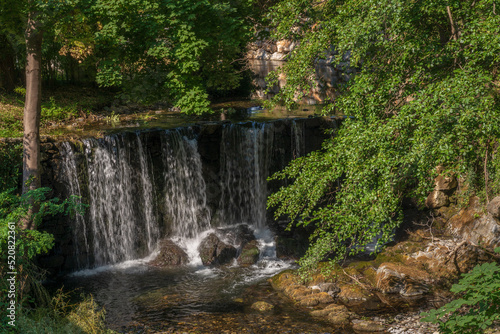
{"x":144,"y":186}
{"x":112,"y":199}
{"x":185,"y":189}
{"x":298,"y":139}
{"x":152,"y":227}
{"x":245,"y":156}
{"x":79,"y":229}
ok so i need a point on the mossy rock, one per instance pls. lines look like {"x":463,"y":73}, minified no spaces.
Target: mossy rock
{"x":249,"y":254}
{"x":284,"y":279}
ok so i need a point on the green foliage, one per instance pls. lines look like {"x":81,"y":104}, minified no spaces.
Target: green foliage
{"x":63,"y":317}
{"x":54,"y":112}
{"x":28,"y":243}
{"x":194,"y":54}
{"x":423,"y":95}
{"x":478,"y":306}
{"x":10,"y":167}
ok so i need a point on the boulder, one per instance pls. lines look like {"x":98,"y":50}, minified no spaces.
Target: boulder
{"x":444,"y":183}
{"x":249,"y":253}
{"x":437,"y":199}
{"x":315,"y":299}
{"x":213,"y":251}
{"x":170,"y":255}
{"x":398,"y":278}
{"x":493,"y":207}
{"x":238,"y":235}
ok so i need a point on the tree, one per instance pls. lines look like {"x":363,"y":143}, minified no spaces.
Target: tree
{"x":181,"y":48}
{"x":425,"y":93}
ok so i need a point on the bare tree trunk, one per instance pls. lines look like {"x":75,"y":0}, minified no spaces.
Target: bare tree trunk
{"x":32,"y":110}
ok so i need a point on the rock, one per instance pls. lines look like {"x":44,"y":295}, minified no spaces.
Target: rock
{"x":397,"y":278}
{"x":249,"y":253}
{"x":213,"y":251}
{"x":330,"y":288}
{"x":366,"y":326}
{"x":352,"y":294}
{"x":445,"y":183}
{"x":170,"y":255}
{"x":472,"y":225}
{"x":437,"y":199}
{"x":262,"y":306}
{"x":315,"y":299}
{"x":277,"y":56}
{"x":493,"y":207}
{"x":332,"y":308}
{"x":339,"y":319}
{"x":236,"y":235}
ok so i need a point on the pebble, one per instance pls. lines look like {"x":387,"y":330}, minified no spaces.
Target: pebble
{"x":409,"y":323}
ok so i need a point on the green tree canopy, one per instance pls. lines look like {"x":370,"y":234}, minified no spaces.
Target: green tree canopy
{"x":425,"y":94}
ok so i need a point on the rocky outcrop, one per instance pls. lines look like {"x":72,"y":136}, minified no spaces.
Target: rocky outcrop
{"x":475,"y":227}
{"x":493,"y":207}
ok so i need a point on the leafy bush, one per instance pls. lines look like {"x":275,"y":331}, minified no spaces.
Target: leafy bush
{"x":28,"y":243}
{"x":478,"y":306}
{"x":420,"y":94}
{"x":51,"y":111}
{"x":62,"y":317}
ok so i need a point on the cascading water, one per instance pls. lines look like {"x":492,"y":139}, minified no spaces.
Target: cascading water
{"x":245,"y":155}
{"x":144,"y":186}
{"x":119,"y":221}
{"x":183,"y":184}
{"x":70,"y":176}
{"x":185,"y":189}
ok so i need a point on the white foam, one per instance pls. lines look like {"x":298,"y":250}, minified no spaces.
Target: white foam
{"x":138,"y":263}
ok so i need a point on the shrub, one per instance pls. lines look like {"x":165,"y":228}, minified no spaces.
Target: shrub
{"x":478,"y":307}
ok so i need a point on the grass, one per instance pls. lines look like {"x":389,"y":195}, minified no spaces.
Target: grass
{"x":59,"y":106}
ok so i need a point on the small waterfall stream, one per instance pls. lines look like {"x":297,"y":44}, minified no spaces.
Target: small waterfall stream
{"x":180,"y":184}
{"x":144,"y":186}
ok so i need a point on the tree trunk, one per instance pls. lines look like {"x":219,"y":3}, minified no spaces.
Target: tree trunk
{"x":32,"y":110}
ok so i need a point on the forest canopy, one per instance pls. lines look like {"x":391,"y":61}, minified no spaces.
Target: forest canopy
{"x":425,"y":94}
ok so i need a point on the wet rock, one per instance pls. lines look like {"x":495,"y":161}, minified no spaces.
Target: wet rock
{"x":213,"y":251}
{"x":437,"y":199}
{"x":249,"y":253}
{"x":493,"y":207}
{"x":238,"y":235}
{"x":354,"y":295}
{"x":170,"y":255}
{"x":366,"y":326}
{"x":262,"y":306}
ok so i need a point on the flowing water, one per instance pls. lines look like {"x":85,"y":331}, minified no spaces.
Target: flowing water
{"x":145,"y":186}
